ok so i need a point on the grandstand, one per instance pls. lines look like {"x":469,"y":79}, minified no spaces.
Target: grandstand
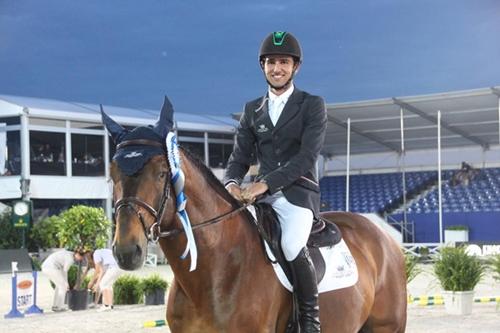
{"x":372,"y":146}
{"x":470,"y":205}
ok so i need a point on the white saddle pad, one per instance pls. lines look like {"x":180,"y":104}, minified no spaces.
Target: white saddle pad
{"x":341,"y":270}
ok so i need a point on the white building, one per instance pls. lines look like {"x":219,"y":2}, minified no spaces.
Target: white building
{"x":60,"y":152}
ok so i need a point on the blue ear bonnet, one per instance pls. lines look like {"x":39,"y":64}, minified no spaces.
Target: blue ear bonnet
{"x":131,"y":159}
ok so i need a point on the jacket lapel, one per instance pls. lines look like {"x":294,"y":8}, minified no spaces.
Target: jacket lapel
{"x":291,"y":108}
{"x":262,"y":113}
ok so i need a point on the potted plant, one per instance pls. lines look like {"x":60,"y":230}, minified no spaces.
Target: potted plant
{"x":458,"y":273}
{"x":456,"y":233}
{"x":77,"y":294}
{"x":412,"y":270}
{"x":45,"y":235}
{"x":84,"y":228}
{"x":127,"y":290}
{"x":74,"y":302}
{"x":495,"y":266}
{"x":154,"y":288}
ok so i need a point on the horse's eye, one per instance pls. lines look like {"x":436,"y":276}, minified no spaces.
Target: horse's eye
{"x":163,"y":174}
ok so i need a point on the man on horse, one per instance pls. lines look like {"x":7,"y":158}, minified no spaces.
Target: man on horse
{"x":284,"y":130}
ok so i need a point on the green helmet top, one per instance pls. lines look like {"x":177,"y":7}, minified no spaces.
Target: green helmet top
{"x":280,"y":43}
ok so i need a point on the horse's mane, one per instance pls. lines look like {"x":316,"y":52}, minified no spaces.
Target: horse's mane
{"x":213,"y":181}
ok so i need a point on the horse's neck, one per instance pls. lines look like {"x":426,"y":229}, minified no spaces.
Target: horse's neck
{"x":222,"y":247}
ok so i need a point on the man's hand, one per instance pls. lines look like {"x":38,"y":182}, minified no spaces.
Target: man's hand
{"x":250,"y":193}
{"x":235,"y":190}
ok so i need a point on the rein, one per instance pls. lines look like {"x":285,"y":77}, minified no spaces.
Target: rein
{"x":154,"y":233}
{"x":175,"y":232}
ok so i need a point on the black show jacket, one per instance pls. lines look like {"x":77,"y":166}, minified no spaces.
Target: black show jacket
{"x":287,"y":153}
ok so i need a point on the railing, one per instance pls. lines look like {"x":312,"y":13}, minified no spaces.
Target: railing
{"x":424,"y":250}
{"x":407,"y":229}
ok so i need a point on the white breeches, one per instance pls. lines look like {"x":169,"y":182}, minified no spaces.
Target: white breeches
{"x":296,"y":223}
{"x":60,"y":279}
{"x":110,"y":276}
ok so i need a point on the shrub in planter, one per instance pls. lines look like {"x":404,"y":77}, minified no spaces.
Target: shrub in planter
{"x":424,"y":254}
{"x":456,"y":233}
{"x":495,"y":266}
{"x":412,"y":270}
{"x":154,"y":288}
{"x":457,"y":227}
{"x":127,"y":290}
{"x":72,"y":276}
{"x":456,"y":270}
{"x":85,"y":228}
{"x":78,"y":295}
{"x":458,"y":273}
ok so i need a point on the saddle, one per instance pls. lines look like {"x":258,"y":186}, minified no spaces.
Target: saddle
{"x":324,"y":233}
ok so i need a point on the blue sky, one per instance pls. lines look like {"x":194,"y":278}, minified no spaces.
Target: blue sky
{"x":203,"y":54}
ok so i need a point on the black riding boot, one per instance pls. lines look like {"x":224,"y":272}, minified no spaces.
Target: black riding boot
{"x":306,"y":289}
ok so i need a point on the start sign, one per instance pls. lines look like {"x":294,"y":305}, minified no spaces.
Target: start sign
{"x":25,"y":291}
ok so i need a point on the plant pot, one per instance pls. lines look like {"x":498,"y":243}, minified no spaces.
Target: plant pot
{"x":78,"y":299}
{"x":458,"y":302}
{"x":456,"y":236}
{"x":155,"y":298}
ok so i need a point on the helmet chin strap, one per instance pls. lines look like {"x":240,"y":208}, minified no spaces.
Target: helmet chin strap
{"x":280,"y":88}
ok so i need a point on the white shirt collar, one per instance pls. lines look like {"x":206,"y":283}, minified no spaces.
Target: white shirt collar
{"x":281,"y":98}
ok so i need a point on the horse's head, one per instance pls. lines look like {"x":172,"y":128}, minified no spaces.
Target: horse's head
{"x":141,"y":185}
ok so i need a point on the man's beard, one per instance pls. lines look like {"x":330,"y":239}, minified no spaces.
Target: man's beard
{"x":282,"y":87}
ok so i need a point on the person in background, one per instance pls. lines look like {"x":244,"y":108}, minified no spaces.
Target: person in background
{"x":106,"y":273}
{"x":56,"y":267}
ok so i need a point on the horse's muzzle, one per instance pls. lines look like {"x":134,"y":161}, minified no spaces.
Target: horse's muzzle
{"x":129,"y":257}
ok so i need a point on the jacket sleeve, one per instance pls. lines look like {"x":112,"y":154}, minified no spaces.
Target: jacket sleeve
{"x":312,"y":140}
{"x":243,"y":154}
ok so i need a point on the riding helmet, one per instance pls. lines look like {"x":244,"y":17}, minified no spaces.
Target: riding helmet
{"x":280,"y":42}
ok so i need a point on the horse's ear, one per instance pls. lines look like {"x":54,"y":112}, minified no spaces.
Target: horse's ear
{"x":166,"y":120}
{"x":115,"y":129}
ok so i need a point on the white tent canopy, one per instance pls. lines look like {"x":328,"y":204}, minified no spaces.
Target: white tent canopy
{"x":468,"y":118}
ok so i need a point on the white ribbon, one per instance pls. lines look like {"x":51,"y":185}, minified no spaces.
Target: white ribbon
{"x":181,"y":199}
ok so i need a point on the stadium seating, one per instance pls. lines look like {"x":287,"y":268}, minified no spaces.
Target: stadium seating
{"x":476,"y":205}
{"x":372,"y":192}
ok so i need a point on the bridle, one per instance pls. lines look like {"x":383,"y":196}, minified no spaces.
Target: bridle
{"x":151,"y":233}
{"x":154,"y":233}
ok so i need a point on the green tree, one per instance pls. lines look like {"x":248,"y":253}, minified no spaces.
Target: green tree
{"x":83,"y":227}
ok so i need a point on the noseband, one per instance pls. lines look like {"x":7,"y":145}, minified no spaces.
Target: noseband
{"x":154,"y":232}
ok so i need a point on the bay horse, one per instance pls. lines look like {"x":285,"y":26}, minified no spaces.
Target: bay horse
{"x":234,"y":287}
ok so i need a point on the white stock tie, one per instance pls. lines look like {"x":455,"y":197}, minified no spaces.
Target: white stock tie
{"x":275,"y":110}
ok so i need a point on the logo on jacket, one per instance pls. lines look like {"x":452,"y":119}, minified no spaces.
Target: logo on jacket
{"x":262,"y":128}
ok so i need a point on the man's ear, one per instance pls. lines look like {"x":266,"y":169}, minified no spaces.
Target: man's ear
{"x":297,"y":67}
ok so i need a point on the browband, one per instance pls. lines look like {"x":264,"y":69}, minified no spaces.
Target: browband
{"x":140,"y":142}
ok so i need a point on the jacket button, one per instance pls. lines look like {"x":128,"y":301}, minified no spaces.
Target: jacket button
{"x":279,"y":163}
